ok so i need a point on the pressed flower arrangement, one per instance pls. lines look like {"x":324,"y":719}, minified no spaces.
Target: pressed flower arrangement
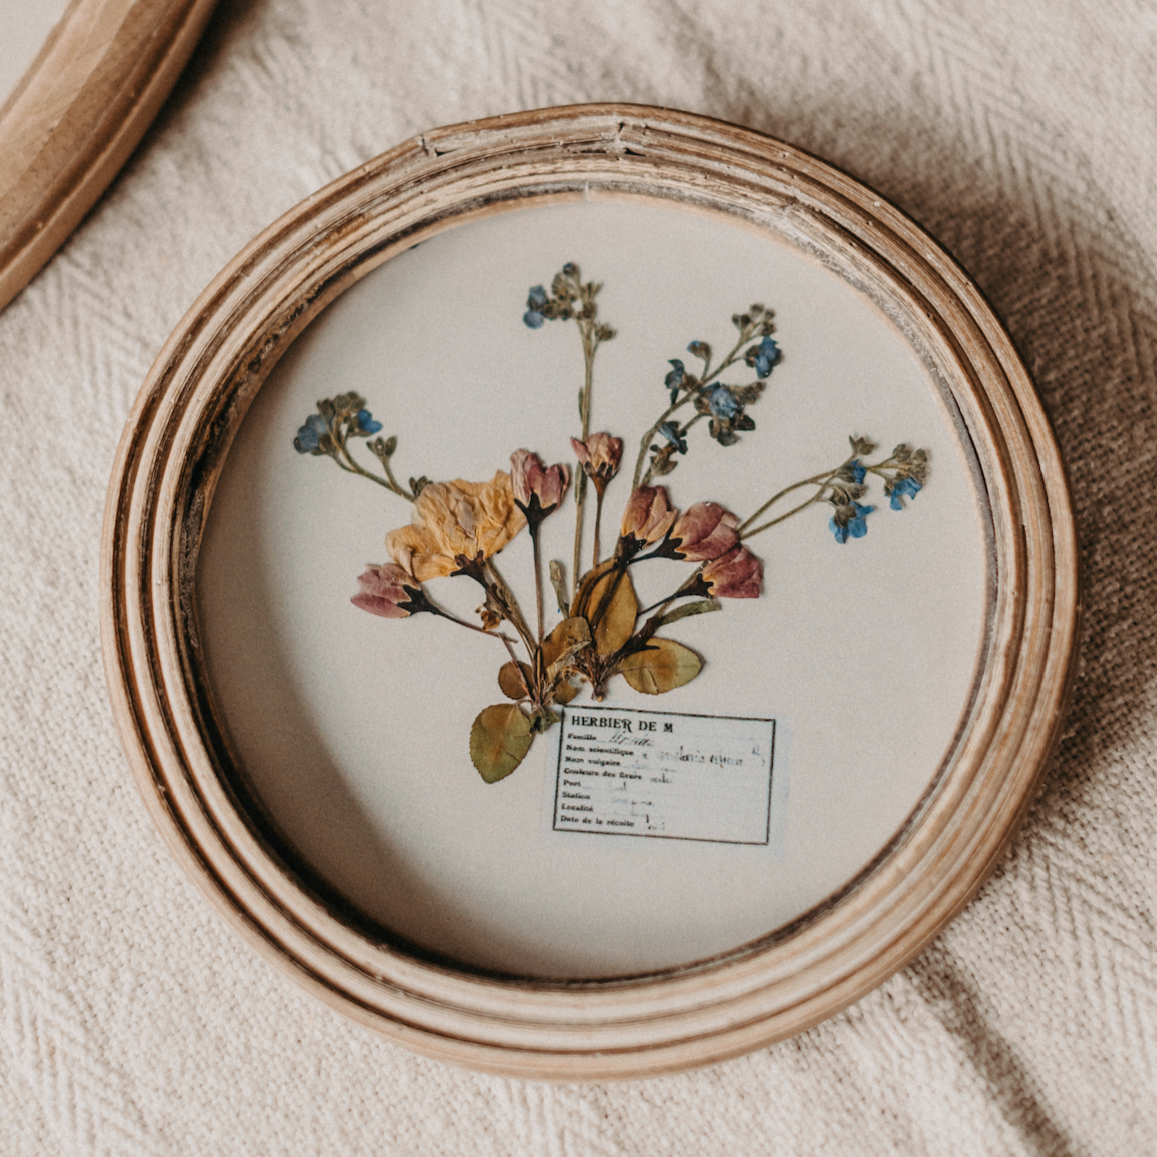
{"x":459,"y":527}
{"x":215,"y":799}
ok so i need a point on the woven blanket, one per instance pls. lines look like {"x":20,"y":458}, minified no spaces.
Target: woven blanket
{"x":133,"y":1021}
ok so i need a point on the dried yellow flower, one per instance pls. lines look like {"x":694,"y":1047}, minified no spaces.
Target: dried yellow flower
{"x":453,"y":519}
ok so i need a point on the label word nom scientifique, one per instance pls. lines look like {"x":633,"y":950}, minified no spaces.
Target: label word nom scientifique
{"x":623,"y":772}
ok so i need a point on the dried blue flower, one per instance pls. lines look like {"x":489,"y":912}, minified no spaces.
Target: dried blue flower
{"x":309,"y":436}
{"x":766,"y":357}
{"x":671,"y":432}
{"x":855,"y":473}
{"x":536,"y":302}
{"x":364,"y":423}
{"x":903,"y":488}
{"x":674,"y":379}
{"x":850,"y":522}
{"x":724,"y":404}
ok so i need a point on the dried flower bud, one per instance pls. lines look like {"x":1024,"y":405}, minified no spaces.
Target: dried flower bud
{"x":647,"y":518}
{"x":906,"y":487}
{"x":724,"y":403}
{"x":738,"y":574}
{"x":673,"y":435}
{"x":389,"y":591}
{"x":314,"y":437}
{"x":764,"y":357}
{"x":599,"y":457}
{"x":538,"y":489}
{"x":536,"y":304}
{"x":704,"y":531}
{"x":849,"y":521}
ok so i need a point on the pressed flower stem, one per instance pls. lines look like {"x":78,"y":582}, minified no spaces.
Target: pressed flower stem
{"x":820,"y":480}
{"x":645,"y":442}
{"x":783,"y":517}
{"x":585,"y":317}
{"x":638,"y":642}
{"x":513,"y":656}
{"x":680,"y":594}
{"x":709,"y":375}
{"x":469,"y":626}
{"x":605,"y":601}
{"x":504,"y":596}
{"x":590,"y":345}
{"x":352,"y":466}
{"x":538,"y":583}
{"x":394,"y":482}
{"x":598,"y":523}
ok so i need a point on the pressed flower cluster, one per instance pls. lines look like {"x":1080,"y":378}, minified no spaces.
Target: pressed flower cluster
{"x":337,"y":421}
{"x":707,"y":396}
{"x":598,"y":630}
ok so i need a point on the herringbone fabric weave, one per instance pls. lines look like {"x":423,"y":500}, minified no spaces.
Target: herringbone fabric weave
{"x":1024,"y":136}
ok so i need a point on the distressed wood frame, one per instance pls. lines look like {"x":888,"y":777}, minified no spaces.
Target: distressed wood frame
{"x":180,"y":431}
{"x":77,"y":114}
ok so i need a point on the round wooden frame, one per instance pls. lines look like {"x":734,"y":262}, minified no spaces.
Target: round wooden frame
{"x":77,"y":114}
{"x":181,"y":429}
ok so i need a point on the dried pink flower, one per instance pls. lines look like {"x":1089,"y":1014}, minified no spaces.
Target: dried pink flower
{"x":648,"y":516}
{"x":599,"y":457}
{"x":738,"y":574}
{"x":389,"y":591}
{"x":532,"y":481}
{"x":704,"y":531}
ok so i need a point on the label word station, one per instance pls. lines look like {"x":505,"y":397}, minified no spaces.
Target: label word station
{"x":647,"y":773}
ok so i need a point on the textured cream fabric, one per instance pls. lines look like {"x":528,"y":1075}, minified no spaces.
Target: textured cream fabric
{"x":1024,"y":136}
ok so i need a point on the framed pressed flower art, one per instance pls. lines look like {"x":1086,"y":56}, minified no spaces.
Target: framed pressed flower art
{"x":590,"y":592}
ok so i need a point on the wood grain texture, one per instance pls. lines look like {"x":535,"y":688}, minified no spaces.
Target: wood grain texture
{"x":77,"y":114}
{"x":175,"y":444}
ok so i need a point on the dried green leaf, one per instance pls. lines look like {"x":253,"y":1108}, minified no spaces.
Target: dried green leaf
{"x":568,"y":638}
{"x":583,"y":589}
{"x":499,"y":740}
{"x":514,"y":679}
{"x":616,"y":620}
{"x":558,"y":581}
{"x":564,"y":691}
{"x":699,"y":608}
{"x":664,"y":666}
